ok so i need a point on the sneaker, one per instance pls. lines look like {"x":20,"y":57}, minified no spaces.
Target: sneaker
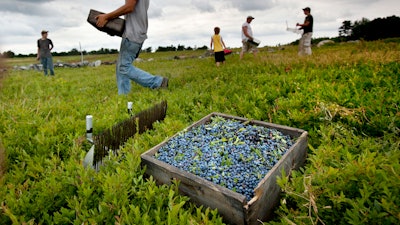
{"x":164,"y":83}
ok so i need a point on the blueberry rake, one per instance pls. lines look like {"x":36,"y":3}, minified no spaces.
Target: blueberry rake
{"x":113,"y":138}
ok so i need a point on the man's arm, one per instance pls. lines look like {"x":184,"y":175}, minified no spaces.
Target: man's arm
{"x":38,"y":51}
{"x":305,"y":24}
{"x":244,"y":28}
{"x":51,"y":45}
{"x":128,"y":7}
{"x":223,"y":43}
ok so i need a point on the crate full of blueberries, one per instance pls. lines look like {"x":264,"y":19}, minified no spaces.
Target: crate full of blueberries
{"x":229,"y":163}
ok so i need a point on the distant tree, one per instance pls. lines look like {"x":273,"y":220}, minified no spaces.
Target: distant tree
{"x":8,"y":54}
{"x":203,"y":48}
{"x":74,"y":51}
{"x":113,"y":51}
{"x":382,"y":28}
{"x":359,"y":29}
{"x":149,"y":49}
{"x":61,"y":54}
{"x":189,"y":48}
{"x":161,"y":49}
{"x":181,"y":48}
{"x":379,"y":28}
{"x":103,"y":51}
{"x":172,"y":48}
{"x":166,"y":49}
{"x":345,"y":29}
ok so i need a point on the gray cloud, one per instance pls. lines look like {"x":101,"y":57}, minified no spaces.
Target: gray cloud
{"x":249,"y":5}
{"x":33,"y":1}
{"x":203,"y":5}
{"x":21,"y":8}
{"x":155,"y":10}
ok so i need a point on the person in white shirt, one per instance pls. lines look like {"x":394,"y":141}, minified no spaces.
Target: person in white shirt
{"x":247,"y":34}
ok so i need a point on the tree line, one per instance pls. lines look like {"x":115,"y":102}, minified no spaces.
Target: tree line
{"x":74,"y":51}
{"x":364,"y":29}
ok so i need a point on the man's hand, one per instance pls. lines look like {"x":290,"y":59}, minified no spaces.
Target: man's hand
{"x":128,"y":7}
{"x":102,"y":19}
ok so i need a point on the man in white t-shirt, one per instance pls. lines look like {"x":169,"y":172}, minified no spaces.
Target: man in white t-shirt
{"x":247,"y":34}
{"x":135,"y":34}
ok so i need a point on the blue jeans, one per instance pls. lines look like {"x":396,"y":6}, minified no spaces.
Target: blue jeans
{"x":126,"y":72}
{"x":47,"y":63}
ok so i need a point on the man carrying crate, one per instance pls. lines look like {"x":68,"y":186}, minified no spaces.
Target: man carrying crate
{"x":247,"y":38}
{"x":136,"y":25}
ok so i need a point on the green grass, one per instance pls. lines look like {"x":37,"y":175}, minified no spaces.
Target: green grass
{"x":345,"y":95}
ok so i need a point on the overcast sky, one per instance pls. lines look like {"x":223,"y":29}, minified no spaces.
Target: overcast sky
{"x":173,"y":22}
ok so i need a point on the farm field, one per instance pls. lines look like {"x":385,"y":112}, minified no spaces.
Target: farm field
{"x":345,"y":95}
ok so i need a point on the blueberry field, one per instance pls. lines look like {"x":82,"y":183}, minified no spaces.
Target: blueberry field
{"x":346,"y":96}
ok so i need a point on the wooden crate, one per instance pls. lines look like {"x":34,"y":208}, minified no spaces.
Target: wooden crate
{"x":232,"y":206}
{"x":113,"y":27}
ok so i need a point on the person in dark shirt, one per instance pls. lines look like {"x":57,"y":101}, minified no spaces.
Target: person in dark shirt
{"x":45,"y":46}
{"x":307,"y":27}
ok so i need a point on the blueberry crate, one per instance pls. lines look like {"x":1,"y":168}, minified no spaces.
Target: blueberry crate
{"x":232,"y":206}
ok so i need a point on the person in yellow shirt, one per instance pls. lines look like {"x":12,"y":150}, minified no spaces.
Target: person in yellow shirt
{"x":219,"y":47}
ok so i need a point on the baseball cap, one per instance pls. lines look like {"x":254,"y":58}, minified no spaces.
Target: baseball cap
{"x":250,"y":17}
{"x":307,"y":9}
{"x":45,"y":31}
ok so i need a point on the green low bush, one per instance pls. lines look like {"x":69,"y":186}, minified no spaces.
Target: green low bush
{"x":345,"y":95}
